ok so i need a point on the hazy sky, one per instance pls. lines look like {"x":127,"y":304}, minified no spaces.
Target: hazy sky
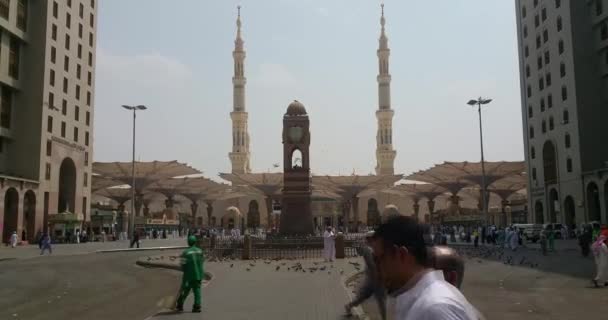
{"x":176,"y":58}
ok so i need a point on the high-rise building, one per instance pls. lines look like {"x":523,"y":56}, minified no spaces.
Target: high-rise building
{"x":385,"y":154}
{"x":239,"y":157}
{"x":563,"y":55}
{"x":47,"y":75}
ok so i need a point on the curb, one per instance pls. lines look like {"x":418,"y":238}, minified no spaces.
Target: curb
{"x":141,"y":249}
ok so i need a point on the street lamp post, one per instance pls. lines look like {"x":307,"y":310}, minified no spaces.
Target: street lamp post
{"x":484,"y":209}
{"x":132,"y":215}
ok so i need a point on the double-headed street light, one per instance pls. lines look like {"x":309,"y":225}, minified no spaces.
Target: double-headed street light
{"x":479,"y":102}
{"x":132,"y":215}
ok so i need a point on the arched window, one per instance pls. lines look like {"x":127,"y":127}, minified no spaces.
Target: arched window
{"x":564,"y":93}
{"x":559,"y":23}
{"x":523,"y":11}
{"x":296,"y":159}
{"x":569,"y":165}
{"x":531,"y":132}
{"x":558,"y":3}
{"x":551,"y":123}
{"x":599,"y":7}
{"x":566,"y":117}
{"x":567,"y":140}
{"x":534,"y":174}
{"x":532,"y":153}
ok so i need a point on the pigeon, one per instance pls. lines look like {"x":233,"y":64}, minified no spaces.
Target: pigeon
{"x":341,"y":271}
{"x":232,"y":265}
{"x":252,"y":265}
{"x":277,"y":269}
{"x":522,"y":260}
{"x":248,"y":269}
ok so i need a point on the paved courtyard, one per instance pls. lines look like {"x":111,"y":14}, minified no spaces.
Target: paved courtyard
{"x":79,"y":283}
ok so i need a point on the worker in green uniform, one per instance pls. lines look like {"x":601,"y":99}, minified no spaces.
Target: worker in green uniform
{"x":192,"y":267}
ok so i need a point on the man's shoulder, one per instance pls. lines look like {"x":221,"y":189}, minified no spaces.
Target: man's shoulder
{"x":441,"y":300}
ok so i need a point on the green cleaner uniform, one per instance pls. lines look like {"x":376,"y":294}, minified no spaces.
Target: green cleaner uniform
{"x":192,"y":266}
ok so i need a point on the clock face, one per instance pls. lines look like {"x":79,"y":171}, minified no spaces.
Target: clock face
{"x":296,"y":134}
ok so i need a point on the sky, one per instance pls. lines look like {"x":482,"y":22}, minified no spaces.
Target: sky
{"x":175,"y":57}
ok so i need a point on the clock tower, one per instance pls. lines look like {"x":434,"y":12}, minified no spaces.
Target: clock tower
{"x":296,"y":216}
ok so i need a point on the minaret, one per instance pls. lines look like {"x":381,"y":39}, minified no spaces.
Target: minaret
{"x":385,"y":155}
{"x":240,"y":133}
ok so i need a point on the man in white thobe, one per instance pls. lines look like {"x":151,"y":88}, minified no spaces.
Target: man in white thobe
{"x":514,"y":240}
{"x":329,"y":245}
{"x":14,"y":239}
{"x":600,"y":253}
{"x":78,"y":236}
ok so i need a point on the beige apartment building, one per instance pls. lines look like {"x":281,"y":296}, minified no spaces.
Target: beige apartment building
{"x":563,"y":55}
{"x":47,"y":77}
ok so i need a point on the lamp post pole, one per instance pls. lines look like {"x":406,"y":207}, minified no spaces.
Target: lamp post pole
{"x":484,"y":210}
{"x":131,"y":228}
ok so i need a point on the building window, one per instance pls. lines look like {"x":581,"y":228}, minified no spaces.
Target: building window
{"x":49,"y":124}
{"x":81,"y":11}
{"x":541,"y":84}
{"x":547,"y":57}
{"x":536,"y":21}
{"x":569,"y":165}
{"x":54,"y":32}
{"x":64,"y":107}
{"x":532,"y":153}
{"x":47,"y":171}
{"x":78,"y":92}
{"x":65,"y":85}
{"x":22,"y":15}
{"x":91,"y":20}
{"x":551,"y":124}
{"x":558,"y":3}
{"x":539,"y":63}
{"x":565,"y":117}
{"x":80,"y":30}
{"x":89,"y":98}
{"x":564,"y":93}
{"x":90,"y":59}
{"x":542,"y":104}
{"x":86,"y":138}
{"x":543,"y":13}
{"x":529,"y":91}
{"x":13,"y":59}
{"x":545,"y":35}
{"x":91,"y":39}
{"x":537,"y":41}
{"x":89,"y":78}
{"x":76,"y":113}
{"x":92,"y":3}
{"x":84,"y":206}
{"x":69,"y":3}
{"x":87,"y":118}
{"x":527,"y":71}
{"x":549,"y":101}
{"x":67,"y":42}
{"x":66,"y":64}
{"x":531,"y":132}
{"x":49,"y":148}
{"x":523,"y":12}
{"x":53,"y":54}
{"x":52,"y":78}
{"x":526,"y":51}
{"x":604,"y":31}
{"x":567,"y":140}
{"x":86,"y":179}
{"x":75,"y":134}
{"x":86,"y":158}
{"x":63,"y":129}
{"x":534,"y":174}
{"x":599,"y":7}
{"x":562,"y":70}
{"x":55,"y":9}
{"x":6,"y":102}
{"x":525,"y":31}
{"x":5,"y":8}
{"x":544,"y":127}
{"x":68,"y":20}
{"x":78,"y":71}
{"x":559,"y":24}
{"x":79,"y":51}
{"x":51,"y":100}
{"x":530,"y":112}
{"x":548,"y":79}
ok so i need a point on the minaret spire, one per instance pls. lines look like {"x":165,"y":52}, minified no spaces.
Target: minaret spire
{"x":385,"y":155}
{"x":240,"y":133}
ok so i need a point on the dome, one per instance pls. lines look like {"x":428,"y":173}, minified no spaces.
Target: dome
{"x":296,"y":108}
